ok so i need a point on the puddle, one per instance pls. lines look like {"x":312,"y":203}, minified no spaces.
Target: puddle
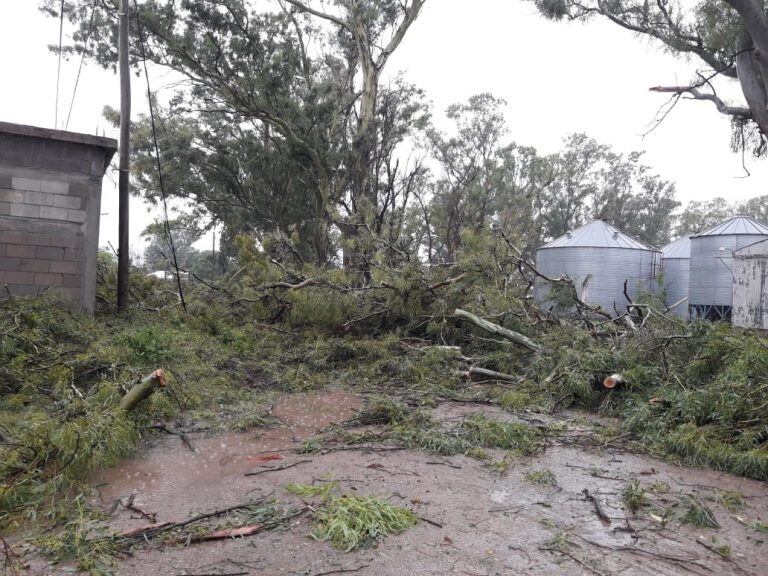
{"x":167,"y":475}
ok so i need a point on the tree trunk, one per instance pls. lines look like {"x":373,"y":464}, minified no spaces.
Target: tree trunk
{"x":753,"y":77}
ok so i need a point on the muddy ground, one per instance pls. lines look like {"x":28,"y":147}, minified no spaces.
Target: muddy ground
{"x":476,"y":522}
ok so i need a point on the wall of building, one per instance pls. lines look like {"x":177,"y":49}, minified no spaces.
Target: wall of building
{"x":750,"y":287}
{"x":712,"y":268}
{"x":50,"y":200}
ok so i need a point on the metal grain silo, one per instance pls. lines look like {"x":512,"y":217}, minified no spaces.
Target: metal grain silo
{"x":676,"y":273}
{"x":711,"y":286}
{"x":599,"y":258}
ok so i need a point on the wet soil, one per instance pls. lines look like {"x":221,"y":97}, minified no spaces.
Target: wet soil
{"x":479,"y":523}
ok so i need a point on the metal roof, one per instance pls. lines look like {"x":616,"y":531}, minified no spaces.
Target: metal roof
{"x":597,"y":234}
{"x":759,"y":248}
{"x":680,"y":248}
{"x":738,"y":225}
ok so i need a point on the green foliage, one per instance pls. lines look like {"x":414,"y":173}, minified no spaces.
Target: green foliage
{"x":149,"y":345}
{"x":349,"y":522}
{"x":382,"y":409}
{"x":322,"y":490}
{"x":733,"y":500}
{"x":480,"y":430}
{"x":541,"y":477}
{"x":699,"y":514}
{"x":634,"y":496}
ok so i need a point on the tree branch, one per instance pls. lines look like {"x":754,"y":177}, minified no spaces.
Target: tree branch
{"x":304,"y":8}
{"x":411,"y":13}
{"x":696,"y":94}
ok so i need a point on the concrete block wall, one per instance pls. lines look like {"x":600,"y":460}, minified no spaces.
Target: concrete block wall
{"x":50,"y":199}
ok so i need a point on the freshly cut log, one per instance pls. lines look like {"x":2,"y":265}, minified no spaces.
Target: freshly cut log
{"x":143,"y":390}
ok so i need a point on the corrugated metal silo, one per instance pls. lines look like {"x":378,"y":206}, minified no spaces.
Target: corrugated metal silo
{"x":711,"y":286}
{"x":599,"y":258}
{"x":676,"y":273}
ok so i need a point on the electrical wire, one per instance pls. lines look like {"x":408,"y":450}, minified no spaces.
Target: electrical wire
{"x":58,"y":71}
{"x":80,"y":68}
{"x":166,"y":223}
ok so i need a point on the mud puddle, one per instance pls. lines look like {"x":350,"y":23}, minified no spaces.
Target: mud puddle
{"x":479,"y":523}
{"x":169,"y":479}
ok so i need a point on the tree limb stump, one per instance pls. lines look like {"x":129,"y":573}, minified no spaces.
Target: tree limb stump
{"x":143,"y":390}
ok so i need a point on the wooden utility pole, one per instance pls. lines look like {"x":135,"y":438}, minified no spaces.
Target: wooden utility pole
{"x":123,"y":252}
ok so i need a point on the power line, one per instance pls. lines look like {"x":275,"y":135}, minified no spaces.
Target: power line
{"x":166,"y":223}
{"x":80,"y":68}
{"x":58,"y":72}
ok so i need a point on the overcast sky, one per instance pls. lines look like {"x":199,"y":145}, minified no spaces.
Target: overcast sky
{"x":557,"y":78}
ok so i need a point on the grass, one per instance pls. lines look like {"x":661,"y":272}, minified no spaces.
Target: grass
{"x":541,"y":477}
{"x":733,"y":500}
{"x":634,"y":496}
{"x":699,"y":514}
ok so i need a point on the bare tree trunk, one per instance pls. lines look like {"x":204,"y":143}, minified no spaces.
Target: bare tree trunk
{"x":753,"y":78}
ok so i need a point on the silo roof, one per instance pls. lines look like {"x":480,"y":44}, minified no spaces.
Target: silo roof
{"x":738,"y":225}
{"x":597,"y":234}
{"x":680,"y":248}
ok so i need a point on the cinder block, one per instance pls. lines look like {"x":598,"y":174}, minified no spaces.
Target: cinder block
{"x":11,"y":236}
{"x":50,"y":213}
{"x":10,"y":263}
{"x":38,"y":239}
{"x":26,"y":184}
{"x":24,"y":289}
{"x":72,"y":280}
{"x":5,"y":181}
{"x":73,"y":202}
{"x":39,"y":198}
{"x":73,"y":254}
{"x":80,"y":189}
{"x":25,"y":211}
{"x":54,"y":187}
{"x":45,"y":279}
{"x":64,"y":240}
{"x":76,"y":216}
{"x":11,"y":196}
{"x":5,"y":208}
{"x":35,"y":265}
{"x":19,"y":277}
{"x":66,"y":267}
{"x":19,"y":251}
{"x":49,"y":253}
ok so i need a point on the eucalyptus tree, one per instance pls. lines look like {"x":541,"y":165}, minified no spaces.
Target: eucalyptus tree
{"x":728,"y":37}
{"x":308,"y":79}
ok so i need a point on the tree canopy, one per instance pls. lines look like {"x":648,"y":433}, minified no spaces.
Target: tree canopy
{"x":728,"y":37}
